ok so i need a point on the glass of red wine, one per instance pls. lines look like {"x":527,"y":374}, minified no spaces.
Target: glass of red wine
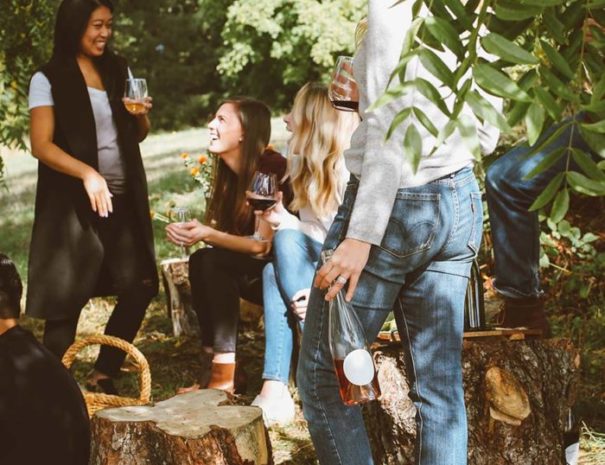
{"x":262,"y":194}
{"x":343,"y":91}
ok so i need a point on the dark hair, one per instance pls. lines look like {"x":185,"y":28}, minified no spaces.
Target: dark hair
{"x":228,"y":206}
{"x":72,"y":20}
{"x":11,"y":289}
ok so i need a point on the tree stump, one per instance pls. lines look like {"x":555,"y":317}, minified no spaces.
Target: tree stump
{"x":197,"y":428}
{"x":517,"y":392}
{"x":175,"y":276}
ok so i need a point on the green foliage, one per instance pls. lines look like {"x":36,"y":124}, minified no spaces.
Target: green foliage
{"x":548,"y":64}
{"x":280,"y":44}
{"x":25,"y":32}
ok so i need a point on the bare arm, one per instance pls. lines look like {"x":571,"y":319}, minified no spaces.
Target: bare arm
{"x":42,"y":127}
{"x":193,"y":232}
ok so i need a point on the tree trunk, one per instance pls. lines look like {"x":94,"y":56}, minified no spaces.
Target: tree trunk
{"x":517,"y":393}
{"x":198,"y":428}
{"x":175,"y":276}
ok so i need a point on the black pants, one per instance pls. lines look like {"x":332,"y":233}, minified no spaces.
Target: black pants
{"x":219,"y":277}
{"x":124,"y":263}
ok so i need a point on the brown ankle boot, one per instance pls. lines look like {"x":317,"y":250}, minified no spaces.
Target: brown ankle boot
{"x":222,"y":376}
{"x":523,"y":313}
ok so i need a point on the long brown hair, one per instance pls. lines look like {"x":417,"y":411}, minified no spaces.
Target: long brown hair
{"x":227,"y":210}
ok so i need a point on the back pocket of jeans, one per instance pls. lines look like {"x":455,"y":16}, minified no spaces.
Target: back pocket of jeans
{"x":474,"y":240}
{"x":412,"y":225}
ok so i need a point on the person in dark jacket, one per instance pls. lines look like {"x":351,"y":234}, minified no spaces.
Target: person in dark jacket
{"x":232,"y":267}
{"x":92,"y":230}
{"x":43,"y":417}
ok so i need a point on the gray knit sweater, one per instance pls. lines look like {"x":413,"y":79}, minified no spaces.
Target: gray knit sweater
{"x":380,"y":164}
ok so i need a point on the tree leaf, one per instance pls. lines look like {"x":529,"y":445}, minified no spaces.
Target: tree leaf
{"x":497,"y":83}
{"x":543,"y":3}
{"x":599,"y":126}
{"x":557,"y":60}
{"x":548,"y":161}
{"x":459,"y":11}
{"x":560,"y":206}
{"x":397,"y":120}
{"x":595,"y":141}
{"x":546,"y":141}
{"x":436,"y":67}
{"x":410,"y":36}
{"x":516,"y":113}
{"x":548,"y":193}
{"x":584,"y":185}
{"x":555,"y":85}
{"x":425,"y":121}
{"x":468,"y":131}
{"x":445,"y":33}
{"x":484,"y":110}
{"x":444,"y":133}
{"x":548,"y":102}
{"x":514,"y":11}
{"x":430,"y":92}
{"x":589,"y":167}
{"x":534,"y":122}
{"x":388,"y":96}
{"x":507,"y":50}
{"x":412,"y":146}
{"x":554,"y":26}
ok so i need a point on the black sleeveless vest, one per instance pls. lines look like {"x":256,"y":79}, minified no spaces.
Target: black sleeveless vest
{"x":65,"y":252}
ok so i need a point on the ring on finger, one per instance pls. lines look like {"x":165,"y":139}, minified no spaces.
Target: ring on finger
{"x":341,"y":280}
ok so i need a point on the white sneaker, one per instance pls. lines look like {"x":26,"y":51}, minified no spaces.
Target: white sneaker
{"x":276,"y":410}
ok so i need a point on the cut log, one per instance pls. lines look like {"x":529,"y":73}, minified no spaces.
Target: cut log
{"x":517,"y":392}
{"x":198,"y":428}
{"x":175,"y":276}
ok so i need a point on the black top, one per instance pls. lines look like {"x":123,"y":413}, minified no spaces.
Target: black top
{"x":43,"y":418}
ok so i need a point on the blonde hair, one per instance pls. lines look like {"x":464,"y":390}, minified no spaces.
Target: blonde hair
{"x":320,"y":136}
{"x":360,"y":31}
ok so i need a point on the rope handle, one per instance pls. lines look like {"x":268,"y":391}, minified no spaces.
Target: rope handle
{"x":139,"y":359}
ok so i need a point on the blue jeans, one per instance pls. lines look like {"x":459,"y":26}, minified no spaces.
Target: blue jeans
{"x":295,"y":256}
{"x":515,"y":230}
{"x":421,"y":271}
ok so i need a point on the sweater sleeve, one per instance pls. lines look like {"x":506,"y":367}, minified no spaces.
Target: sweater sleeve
{"x":381,"y":169}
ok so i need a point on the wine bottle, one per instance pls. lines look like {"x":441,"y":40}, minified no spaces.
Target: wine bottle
{"x":353,"y":362}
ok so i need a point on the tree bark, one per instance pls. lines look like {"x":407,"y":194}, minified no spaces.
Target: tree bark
{"x":517,"y":393}
{"x":175,"y":276}
{"x":198,"y":428}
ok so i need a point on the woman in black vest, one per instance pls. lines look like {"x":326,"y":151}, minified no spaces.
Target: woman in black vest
{"x":92,"y":231}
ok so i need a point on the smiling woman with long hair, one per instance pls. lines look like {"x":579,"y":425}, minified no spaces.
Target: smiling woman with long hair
{"x":92,"y":231}
{"x":232,"y":267}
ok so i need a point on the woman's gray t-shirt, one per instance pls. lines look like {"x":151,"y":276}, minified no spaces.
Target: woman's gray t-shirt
{"x":111,"y":164}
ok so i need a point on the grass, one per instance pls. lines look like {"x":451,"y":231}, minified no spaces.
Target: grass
{"x":174,"y":361}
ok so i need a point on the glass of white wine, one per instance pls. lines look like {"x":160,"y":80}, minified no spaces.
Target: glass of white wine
{"x":135,"y":93}
{"x":182,"y":215}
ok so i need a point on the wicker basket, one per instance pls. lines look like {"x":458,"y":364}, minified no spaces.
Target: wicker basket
{"x":97,"y":401}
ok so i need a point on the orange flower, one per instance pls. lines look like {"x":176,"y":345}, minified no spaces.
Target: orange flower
{"x":195,"y":171}
{"x":202,"y":159}
{"x":184,"y":155}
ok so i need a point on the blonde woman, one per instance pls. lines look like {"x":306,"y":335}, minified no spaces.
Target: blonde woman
{"x":320,"y":134}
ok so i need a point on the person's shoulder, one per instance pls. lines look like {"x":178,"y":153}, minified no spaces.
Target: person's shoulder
{"x":271,"y":158}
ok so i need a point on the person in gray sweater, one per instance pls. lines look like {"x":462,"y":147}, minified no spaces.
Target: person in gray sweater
{"x":402,"y":240}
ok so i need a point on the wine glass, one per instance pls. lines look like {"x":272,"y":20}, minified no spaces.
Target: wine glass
{"x":182,"y":215}
{"x":343,"y":91}
{"x":261,"y":195}
{"x":135,"y":93}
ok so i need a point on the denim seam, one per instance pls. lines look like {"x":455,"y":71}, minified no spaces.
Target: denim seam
{"x":417,"y":380}
{"x":454,"y":227}
{"x":315,"y":384}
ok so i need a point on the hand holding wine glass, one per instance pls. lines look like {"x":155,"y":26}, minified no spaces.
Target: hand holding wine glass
{"x":262,"y":194}
{"x":136,"y":99}
{"x":343,"y":91}
{"x":182,"y":216}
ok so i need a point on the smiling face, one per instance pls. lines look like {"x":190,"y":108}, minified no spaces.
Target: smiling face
{"x":97,"y":33}
{"x":226,"y":132}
